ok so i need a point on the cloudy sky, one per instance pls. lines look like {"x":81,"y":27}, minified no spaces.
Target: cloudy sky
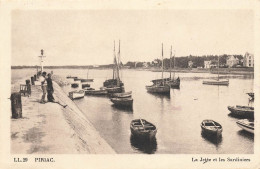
{"x":85,"y":37}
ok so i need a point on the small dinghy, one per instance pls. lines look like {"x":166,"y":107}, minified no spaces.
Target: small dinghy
{"x":71,"y":77}
{"x":85,"y":85}
{"x":242,"y":111}
{"x":211,"y":127}
{"x":125,"y":102}
{"x":74,"y":85}
{"x":76,"y":94}
{"x":86,"y":80}
{"x":143,"y":129}
{"x":247,"y":125}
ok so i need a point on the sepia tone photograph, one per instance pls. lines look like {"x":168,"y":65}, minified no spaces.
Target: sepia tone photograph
{"x":132,"y":82}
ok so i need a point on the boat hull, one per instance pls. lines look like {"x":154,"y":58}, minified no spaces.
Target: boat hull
{"x":86,"y":80}
{"x":143,"y":133}
{"x":121,"y":95}
{"x":242,"y":111}
{"x":76,"y":94}
{"x":246,"y":125}
{"x":122,"y":101}
{"x":216,"y":82}
{"x":95,"y":92}
{"x":158,"y":89}
{"x":210,"y":127}
{"x":115,"y":90}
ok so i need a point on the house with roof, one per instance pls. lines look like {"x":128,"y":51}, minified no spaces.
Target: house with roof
{"x":207,"y":64}
{"x":232,"y":61}
{"x":248,"y":60}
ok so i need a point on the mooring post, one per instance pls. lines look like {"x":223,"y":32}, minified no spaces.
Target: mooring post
{"x":16,"y":105}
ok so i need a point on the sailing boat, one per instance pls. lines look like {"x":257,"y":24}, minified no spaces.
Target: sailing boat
{"x":161,"y":86}
{"x":224,"y":82}
{"x":174,"y":83}
{"x":87,"y":80}
{"x":114,"y":85}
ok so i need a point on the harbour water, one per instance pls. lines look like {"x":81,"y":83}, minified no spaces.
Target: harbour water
{"x":177,"y":116}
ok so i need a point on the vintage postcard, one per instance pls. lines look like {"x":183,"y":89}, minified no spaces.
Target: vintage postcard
{"x":141,"y":84}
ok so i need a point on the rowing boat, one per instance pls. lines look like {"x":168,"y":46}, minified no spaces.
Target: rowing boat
{"x":211,"y":127}
{"x":247,"y":125}
{"x":76,"y":94}
{"x":143,"y":129}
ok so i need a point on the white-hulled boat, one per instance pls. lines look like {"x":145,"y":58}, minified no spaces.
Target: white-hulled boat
{"x":223,"y":82}
{"x":211,"y":127}
{"x":247,"y":125}
{"x":220,"y":82}
{"x":77,"y":94}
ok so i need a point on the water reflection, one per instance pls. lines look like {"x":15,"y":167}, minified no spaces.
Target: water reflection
{"x":214,"y":139}
{"x":167,"y":96}
{"x":245,"y":134}
{"x":123,"y":108}
{"x":144,"y":145}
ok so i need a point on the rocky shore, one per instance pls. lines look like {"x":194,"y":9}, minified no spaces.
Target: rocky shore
{"x":52,"y":129}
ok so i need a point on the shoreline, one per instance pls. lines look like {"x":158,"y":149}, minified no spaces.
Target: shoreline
{"x":51,"y":129}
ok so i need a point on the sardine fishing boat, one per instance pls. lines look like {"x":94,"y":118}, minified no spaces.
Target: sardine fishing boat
{"x":143,"y":129}
{"x":161,"y":87}
{"x":77,"y":94}
{"x":242,"y":111}
{"x":125,"y":102}
{"x":247,"y":125}
{"x":211,"y":127}
{"x":115,"y":85}
{"x":87,"y":79}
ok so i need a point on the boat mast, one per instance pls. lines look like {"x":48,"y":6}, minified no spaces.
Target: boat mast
{"x":162,"y":62}
{"x":218,"y":68}
{"x":114,"y":61}
{"x":174,"y":64}
{"x":171,"y":64}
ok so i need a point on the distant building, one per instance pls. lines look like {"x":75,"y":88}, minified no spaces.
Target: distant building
{"x":248,"y":60}
{"x":190,"y":64}
{"x":232,"y":61}
{"x":207,"y":64}
{"x":145,"y":64}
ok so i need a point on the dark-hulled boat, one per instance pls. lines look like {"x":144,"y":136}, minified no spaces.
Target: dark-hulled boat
{"x":242,"y":111}
{"x":74,"y":85}
{"x":247,"y":125}
{"x":86,"y":80}
{"x":121,"y":95}
{"x":85,"y":85}
{"x":211,"y":127}
{"x":71,"y":77}
{"x":91,"y":91}
{"x":143,"y":129}
{"x":160,"y":86}
{"x":125,"y":102}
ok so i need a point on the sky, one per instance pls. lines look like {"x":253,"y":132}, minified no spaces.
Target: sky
{"x":86,"y":37}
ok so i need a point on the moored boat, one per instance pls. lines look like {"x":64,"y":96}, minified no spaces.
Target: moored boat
{"x":125,"y":102}
{"x":77,"y":79}
{"x":91,"y":91}
{"x":86,"y":80}
{"x":242,"y":111}
{"x":121,"y":95}
{"x":223,"y":82}
{"x":74,"y":85}
{"x":71,"y":77}
{"x":143,"y":129}
{"x":160,"y":89}
{"x":159,"y":86}
{"x":247,"y":125}
{"x":76,"y":94}
{"x":85,"y":85}
{"x":211,"y":127}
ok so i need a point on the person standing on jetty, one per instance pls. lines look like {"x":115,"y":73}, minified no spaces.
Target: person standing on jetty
{"x":44,"y":87}
{"x":50,"y":89}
